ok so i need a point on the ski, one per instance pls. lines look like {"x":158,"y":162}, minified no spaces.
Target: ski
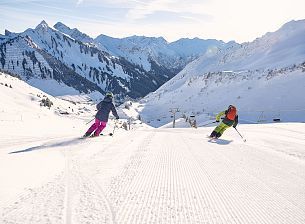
{"x":211,"y":138}
{"x":92,"y":136}
{"x":109,"y":134}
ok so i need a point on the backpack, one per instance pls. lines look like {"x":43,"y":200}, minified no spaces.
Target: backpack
{"x":231,"y":113}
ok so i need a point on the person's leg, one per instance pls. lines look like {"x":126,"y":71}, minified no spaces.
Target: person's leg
{"x":222,"y":130}
{"x":213,"y":134}
{"x":217,"y":132}
{"x":100,"y":128}
{"x":92,"y":128}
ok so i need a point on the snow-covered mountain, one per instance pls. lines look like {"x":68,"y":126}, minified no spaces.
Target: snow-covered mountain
{"x":22,"y":56}
{"x":264,"y":79}
{"x":74,"y":33}
{"x":133,"y":66}
{"x":152,"y":53}
{"x":192,"y":48}
{"x":273,"y":50}
{"x":45,"y":54}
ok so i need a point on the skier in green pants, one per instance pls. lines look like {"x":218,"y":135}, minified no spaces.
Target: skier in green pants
{"x":230,"y":119}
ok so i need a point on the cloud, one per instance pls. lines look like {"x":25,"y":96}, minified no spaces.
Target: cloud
{"x":79,"y":2}
{"x":241,"y":20}
{"x":166,"y":17}
{"x":140,"y":11}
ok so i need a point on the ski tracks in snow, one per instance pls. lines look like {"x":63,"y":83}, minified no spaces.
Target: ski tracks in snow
{"x":255,"y":186}
{"x":72,"y":197}
{"x":174,"y":177}
{"x":162,"y":184}
{"x":121,"y":185}
{"x":85,"y":201}
{"x":167,"y":176}
{"x":37,"y":205}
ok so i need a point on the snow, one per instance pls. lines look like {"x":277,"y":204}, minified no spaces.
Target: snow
{"x":44,"y":36}
{"x":73,"y":33}
{"x":278,"y":49}
{"x":154,"y":173}
{"x":52,"y":87}
{"x":264,"y":79}
{"x":186,"y":47}
{"x":47,"y":53}
{"x":142,"y":50}
{"x":157,"y":176}
{"x":145,"y":175}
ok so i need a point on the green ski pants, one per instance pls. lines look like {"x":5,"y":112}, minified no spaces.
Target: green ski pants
{"x":221,"y":128}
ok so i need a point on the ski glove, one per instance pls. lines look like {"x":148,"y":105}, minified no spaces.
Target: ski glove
{"x":217,"y":121}
{"x":234,"y":126}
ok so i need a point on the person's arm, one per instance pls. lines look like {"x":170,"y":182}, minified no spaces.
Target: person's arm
{"x":99,"y":105}
{"x":114,"y":112}
{"x":235,"y":121}
{"x":218,"y":116}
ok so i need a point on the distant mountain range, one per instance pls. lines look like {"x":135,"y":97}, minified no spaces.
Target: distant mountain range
{"x":71,"y":61}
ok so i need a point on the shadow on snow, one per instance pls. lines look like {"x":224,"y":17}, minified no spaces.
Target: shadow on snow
{"x":51,"y":145}
{"x":220,"y":141}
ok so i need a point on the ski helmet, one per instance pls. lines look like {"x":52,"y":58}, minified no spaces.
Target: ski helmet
{"x":230,"y":106}
{"x":109,"y":94}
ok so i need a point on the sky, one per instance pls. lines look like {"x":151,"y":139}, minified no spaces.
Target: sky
{"x":239,"y":20}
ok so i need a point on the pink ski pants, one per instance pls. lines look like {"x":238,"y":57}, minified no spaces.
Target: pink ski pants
{"x":98,"y":127}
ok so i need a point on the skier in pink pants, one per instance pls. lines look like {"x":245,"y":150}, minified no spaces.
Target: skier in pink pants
{"x":97,"y":127}
{"x":102,"y":115}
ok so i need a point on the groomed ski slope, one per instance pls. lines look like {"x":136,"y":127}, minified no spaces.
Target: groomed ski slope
{"x":160,"y":175}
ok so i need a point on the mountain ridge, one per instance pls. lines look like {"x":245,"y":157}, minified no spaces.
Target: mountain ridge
{"x":134,"y":71}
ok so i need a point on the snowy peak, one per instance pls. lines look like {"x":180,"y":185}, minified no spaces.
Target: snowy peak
{"x":293,"y":26}
{"x":146,"y":40}
{"x":133,"y":42}
{"x":288,"y":30}
{"x":45,"y":53}
{"x":267,"y":52}
{"x":42,"y":30}
{"x":74,"y":33}
{"x":42,"y":26}
{"x":143,"y":40}
{"x":8,"y":33}
{"x":43,"y":23}
{"x":150,"y":51}
{"x":195,"y":46}
{"x":62,"y":27}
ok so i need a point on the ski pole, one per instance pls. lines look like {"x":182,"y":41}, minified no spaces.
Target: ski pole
{"x":115,"y":122}
{"x":90,"y":121}
{"x":240,"y":135}
{"x":209,"y":123}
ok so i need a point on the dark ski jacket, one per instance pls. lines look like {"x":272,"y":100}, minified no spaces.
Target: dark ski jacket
{"x":104,"y":108}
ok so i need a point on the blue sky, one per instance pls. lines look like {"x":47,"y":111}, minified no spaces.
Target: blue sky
{"x":240,"y":20}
